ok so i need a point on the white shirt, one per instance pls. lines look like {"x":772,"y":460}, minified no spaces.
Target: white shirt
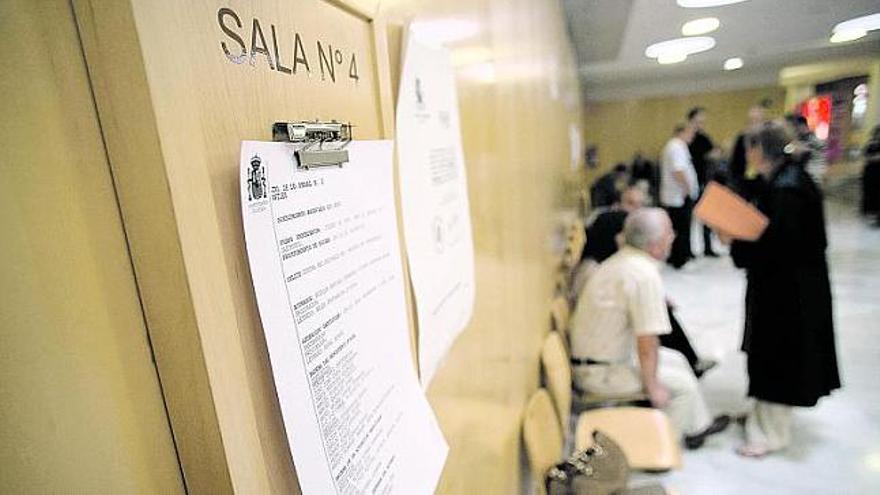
{"x":677,"y":157}
{"x":623,"y":299}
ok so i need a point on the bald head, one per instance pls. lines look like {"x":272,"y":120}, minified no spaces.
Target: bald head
{"x":650,"y":230}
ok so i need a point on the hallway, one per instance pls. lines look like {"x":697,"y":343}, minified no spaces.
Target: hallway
{"x":836,"y":447}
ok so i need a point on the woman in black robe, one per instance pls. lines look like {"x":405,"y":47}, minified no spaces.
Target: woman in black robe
{"x":789,"y":332}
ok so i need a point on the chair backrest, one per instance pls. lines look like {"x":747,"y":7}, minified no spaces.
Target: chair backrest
{"x":562,"y":283}
{"x":577,"y":239}
{"x":559,"y":316}
{"x":557,"y":371}
{"x":542,"y":436}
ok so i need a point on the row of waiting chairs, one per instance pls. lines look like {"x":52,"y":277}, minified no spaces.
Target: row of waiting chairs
{"x":645,"y":435}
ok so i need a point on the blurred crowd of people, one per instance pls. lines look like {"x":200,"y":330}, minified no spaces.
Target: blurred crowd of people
{"x":625,"y":335}
{"x":691,"y":159}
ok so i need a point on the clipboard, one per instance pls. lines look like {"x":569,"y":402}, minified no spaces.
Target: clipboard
{"x":728,"y":213}
{"x":323,"y":143}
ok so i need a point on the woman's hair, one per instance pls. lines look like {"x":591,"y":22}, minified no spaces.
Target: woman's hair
{"x":775,"y":139}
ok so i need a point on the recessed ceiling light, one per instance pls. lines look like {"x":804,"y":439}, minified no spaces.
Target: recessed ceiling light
{"x":671,"y":58}
{"x":844,"y":35}
{"x":698,"y":4}
{"x":687,"y":46}
{"x":733,"y":63}
{"x":865,"y":23}
{"x":700,"y":26}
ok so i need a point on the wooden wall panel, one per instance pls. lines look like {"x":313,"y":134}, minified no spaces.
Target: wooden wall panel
{"x":518,"y":93}
{"x":517,"y":152}
{"x":620,"y":128}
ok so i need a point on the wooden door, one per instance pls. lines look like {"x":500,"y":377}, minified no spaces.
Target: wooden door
{"x":178,"y":86}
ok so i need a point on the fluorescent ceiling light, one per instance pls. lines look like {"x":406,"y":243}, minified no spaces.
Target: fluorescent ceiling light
{"x":733,"y":63}
{"x":844,"y":35}
{"x":698,"y":4}
{"x":444,"y":31}
{"x":865,"y":23}
{"x":671,"y":58}
{"x":687,"y":46}
{"x":700,"y":26}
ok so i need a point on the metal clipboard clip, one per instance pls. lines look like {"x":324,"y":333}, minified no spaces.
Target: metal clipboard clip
{"x":324,"y":142}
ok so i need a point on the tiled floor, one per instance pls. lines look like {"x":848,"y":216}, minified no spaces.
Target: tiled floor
{"x":836,"y":446}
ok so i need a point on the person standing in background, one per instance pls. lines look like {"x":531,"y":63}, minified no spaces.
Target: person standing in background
{"x":701,"y":147}
{"x":678,"y":191}
{"x":789,"y":329}
{"x":816,"y":165}
{"x":742,"y":180}
{"x":871,"y":177}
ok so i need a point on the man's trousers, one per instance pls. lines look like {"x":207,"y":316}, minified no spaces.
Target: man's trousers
{"x":681,"y":224}
{"x":686,"y":408}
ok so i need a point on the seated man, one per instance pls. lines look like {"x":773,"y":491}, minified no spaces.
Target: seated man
{"x":606,"y":190}
{"x":623,"y":307}
{"x":601,"y":235}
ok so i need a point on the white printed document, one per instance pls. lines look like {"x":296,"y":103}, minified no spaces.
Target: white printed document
{"x":326,"y":269}
{"x":434,"y":201}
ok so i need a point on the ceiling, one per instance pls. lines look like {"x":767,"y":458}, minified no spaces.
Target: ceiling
{"x":610,"y":37}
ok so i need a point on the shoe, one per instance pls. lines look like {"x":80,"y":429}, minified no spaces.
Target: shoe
{"x":697,"y":440}
{"x":752,"y":450}
{"x":704,"y":365}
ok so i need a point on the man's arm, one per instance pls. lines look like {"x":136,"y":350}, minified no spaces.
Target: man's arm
{"x":647,"y":348}
{"x":682,"y":161}
{"x":682,"y":179}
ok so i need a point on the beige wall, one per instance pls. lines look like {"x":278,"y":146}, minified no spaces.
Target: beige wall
{"x":620,"y":128}
{"x":80,"y":402}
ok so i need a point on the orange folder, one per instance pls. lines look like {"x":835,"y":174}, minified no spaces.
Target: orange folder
{"x":729,"y":214}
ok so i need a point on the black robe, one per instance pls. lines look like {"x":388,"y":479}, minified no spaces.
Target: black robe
{"x":789,"y":331}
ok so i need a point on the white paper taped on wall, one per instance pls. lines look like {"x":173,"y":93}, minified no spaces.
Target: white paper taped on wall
{"x":434,"y":201}
{"x":327,"y":274}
